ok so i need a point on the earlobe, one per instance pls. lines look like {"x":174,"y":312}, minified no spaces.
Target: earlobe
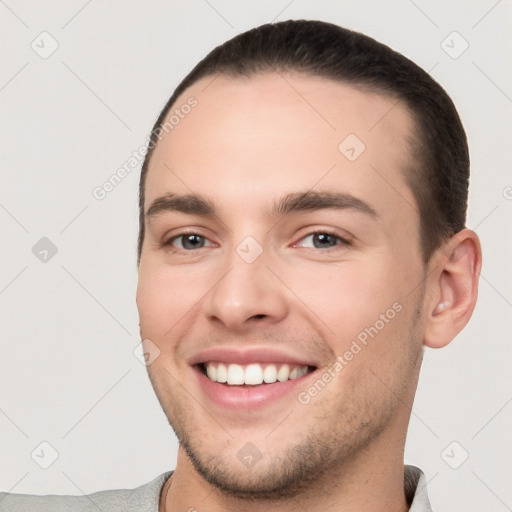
{"x":453,"y":287}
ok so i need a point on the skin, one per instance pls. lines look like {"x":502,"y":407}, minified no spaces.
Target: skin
{"x":248,"y":143}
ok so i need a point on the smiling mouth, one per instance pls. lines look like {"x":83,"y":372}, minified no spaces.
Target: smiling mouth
{"x":253,"y":374}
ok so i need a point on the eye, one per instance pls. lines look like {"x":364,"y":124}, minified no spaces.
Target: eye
{"x":189,"y":242}
{"x":322,"y":240}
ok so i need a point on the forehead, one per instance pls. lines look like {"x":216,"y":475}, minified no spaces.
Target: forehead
{"x":249,"y":138}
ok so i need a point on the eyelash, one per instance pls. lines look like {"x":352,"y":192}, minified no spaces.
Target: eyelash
{"x":168,"y":243}
{"x":342,"y":240}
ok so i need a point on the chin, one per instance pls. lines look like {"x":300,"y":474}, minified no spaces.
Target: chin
{"x":282,"y":474}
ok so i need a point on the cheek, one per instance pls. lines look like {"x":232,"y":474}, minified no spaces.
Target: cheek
{"x":350,"y":297}
{"x":367,"y":317}
{"x":370,"y":329}
{"x":164,"y":299}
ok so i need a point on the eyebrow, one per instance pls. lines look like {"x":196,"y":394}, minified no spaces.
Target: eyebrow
{"x":296,"y":202}
{"x":312,"y":200}
{"x":189,"y":203}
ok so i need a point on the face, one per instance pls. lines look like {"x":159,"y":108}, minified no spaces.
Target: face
{"x":280,"y":278}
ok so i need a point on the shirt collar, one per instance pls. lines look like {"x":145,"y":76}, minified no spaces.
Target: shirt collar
{"x":415,"y":485}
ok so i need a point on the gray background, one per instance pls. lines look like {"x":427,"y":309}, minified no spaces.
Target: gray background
{"x":68,"y":374}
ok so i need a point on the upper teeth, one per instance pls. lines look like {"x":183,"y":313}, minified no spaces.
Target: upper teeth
{"x":253,"y":374}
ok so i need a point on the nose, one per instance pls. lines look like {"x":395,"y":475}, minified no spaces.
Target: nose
{"x":248,"y":294}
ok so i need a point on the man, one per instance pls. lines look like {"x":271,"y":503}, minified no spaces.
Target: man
{"x":302,"y":213}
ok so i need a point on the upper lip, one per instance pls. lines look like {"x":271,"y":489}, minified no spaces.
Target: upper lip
{"x":247,"y":356}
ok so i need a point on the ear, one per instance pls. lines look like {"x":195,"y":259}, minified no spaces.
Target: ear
{"x":452,"y":288}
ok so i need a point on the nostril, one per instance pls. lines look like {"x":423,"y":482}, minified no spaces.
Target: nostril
{"x":258,"y":316}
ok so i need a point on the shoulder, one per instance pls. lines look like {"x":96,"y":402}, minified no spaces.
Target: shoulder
{"x":144,"y":499}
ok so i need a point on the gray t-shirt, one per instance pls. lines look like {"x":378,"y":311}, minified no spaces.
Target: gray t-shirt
{"x":147,"y":497}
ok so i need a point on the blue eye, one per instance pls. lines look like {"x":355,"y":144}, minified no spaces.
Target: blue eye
{"x":322,"y":240}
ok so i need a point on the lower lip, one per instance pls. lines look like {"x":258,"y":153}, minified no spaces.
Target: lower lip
{"x":253,"y":397}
